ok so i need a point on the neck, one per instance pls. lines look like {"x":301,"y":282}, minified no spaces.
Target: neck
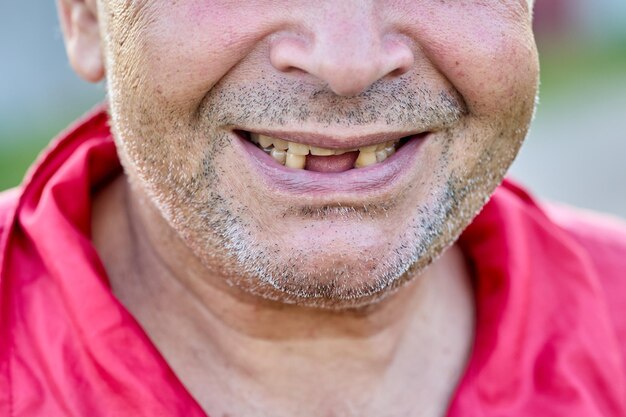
{"x":357,"y":361}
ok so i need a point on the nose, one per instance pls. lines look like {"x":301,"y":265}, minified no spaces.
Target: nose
{"x":346,"y":49}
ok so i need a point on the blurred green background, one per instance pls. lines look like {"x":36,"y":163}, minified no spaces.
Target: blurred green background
{"x":575,"y":151}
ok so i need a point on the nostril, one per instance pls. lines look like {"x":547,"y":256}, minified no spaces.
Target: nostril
{"x":289,"y":54}
{"x":398,"y":55}
{"x":348,"y":64}
{"x":397,"y":72}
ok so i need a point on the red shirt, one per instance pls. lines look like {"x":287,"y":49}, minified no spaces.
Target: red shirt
{"x":550,"y":292}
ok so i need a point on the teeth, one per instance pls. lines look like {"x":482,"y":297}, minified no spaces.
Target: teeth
{"x":283,"y":145}
{"x":279,"y":156}
{"x":293,"y":155}
{"x":368,"y":149}
{"x":381,"y":155}
{"x":365,"y":159}
{"x":265,"y":141}
{"x":322,"y":151}
{"x":295,"y":161}
{"x":298,"y":149}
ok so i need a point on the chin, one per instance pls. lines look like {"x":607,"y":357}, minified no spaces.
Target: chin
{"x":335,"y":269}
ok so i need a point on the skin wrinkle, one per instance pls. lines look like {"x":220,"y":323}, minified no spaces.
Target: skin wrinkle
{"x":288,"y":279}
{"x":230,"y":228}
{"x":277,"y":279}
{"x":277,"y":102}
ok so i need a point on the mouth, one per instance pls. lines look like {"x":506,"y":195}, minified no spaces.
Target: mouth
{"x":331,"y":159}
{"x":310,"y":164}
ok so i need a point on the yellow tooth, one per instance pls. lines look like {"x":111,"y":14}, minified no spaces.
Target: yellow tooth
{"x":368,"y":149}
{"x":283,"y":145}
{"x":279,"y":156}
{"x":381,"y":155}
{"x":390,"y":150}
{"x":265,"y":141}
{"x":295,"y":161}
{"x":339,"y":152}
{"x":321,"y":151}
{"x":380,"y":146}
{"x":365,"y":159}
{"x":298,"y":149}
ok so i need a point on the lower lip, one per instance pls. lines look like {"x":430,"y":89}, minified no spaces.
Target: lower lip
{"x":376,"y":178}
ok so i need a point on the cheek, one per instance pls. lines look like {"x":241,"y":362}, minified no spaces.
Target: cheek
{"x":488,"y":55}
{"x":184,"y":48}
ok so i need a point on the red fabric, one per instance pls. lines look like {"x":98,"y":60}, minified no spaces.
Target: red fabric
{"x":550,"y":293}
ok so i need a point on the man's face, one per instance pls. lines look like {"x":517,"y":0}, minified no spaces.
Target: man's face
{"x":446,"y":87}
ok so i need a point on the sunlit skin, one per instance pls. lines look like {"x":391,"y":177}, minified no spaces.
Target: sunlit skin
{"x":272,"y":291}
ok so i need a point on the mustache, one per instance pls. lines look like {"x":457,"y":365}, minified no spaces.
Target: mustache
{"x":405,"y":103}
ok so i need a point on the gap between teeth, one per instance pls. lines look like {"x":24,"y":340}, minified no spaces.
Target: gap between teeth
{"x":293,"y":155}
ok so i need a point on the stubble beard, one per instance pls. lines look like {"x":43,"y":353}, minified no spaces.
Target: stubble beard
{"x":184,"y":178}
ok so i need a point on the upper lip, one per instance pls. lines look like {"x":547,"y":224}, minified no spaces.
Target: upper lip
{"x":336,"y":142}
